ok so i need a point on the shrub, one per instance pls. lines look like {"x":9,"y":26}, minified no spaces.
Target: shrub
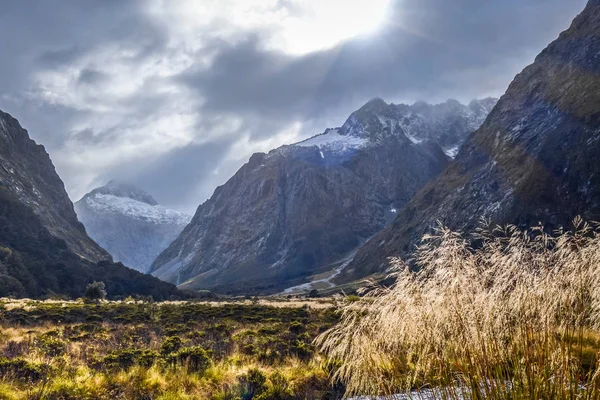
{"x":147,"y":358}
{"x":171,"y":345}
{"x":23,"y":370}
{"x":278,"y":390}
{"x":297,"y":327}
{"x":51,"y":346}
{"x":121,"y":359}
{"x":253,"y":384}
{"x":195,"y":358}
{"x":95,"y":291}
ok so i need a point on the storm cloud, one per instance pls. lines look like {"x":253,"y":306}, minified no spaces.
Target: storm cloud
{"x":176,"y":95}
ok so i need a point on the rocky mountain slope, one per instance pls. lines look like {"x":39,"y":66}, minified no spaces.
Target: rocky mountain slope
{"x":27,"y":172}
{"x":129,"y":223}
{"x":535,"y":159}
{"x":44,"y":250}
{"x":302,"y":209}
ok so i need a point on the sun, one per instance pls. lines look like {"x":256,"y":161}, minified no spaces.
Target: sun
{"x":325,"y":23}
{"x":358,"y":17}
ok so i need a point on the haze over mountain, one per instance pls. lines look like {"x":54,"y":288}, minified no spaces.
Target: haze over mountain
{"x":303,"y":209}
{"x":44,"y":249}
{"x":535,"y":159}
{"x":129,"y":223}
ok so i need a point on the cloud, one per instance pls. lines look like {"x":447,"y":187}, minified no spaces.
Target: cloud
{"x":175,"y":95}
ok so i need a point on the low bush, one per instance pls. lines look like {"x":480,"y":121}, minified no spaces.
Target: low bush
{"x":22,"y":370}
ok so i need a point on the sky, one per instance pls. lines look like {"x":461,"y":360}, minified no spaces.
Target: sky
{"x":175,"y":95}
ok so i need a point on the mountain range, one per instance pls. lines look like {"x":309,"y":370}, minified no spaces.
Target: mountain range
{"x":303,"y":209}
{"x":328,"y":210}
{"x":534,"y":160}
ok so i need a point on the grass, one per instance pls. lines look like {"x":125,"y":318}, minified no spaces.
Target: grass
{"x":504,"y":314}
{"x":138,"y":350}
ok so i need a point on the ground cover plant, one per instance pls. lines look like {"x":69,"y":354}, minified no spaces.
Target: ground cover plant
{"x":144,"y":350}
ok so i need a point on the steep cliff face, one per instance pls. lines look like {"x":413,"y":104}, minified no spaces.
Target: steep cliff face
{"x":27,"y":171}
{"x":535,"y":159}
{"x":44,"y":250}
{"x":299,"y":210}
{"x":129,"y":223}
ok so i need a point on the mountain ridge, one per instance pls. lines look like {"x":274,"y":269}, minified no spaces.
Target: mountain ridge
{"x":27,"y":171}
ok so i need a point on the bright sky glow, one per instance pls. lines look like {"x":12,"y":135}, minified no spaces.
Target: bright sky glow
{"x":296,"y":26}
{"x":327,"y":23}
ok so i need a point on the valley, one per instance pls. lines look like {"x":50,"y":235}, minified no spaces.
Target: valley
{"x":440,"y":249}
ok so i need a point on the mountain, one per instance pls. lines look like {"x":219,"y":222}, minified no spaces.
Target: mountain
{"x":298,"y":213}
{"x":27,"y":172}
{"x":535,"y":159}
{"x":129,"y":223}
{"x":44,"y":250}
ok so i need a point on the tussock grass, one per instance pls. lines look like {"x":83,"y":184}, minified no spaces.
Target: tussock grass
{"x":503,"y":314}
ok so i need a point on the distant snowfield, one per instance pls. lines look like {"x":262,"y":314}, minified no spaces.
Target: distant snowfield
{"x":452,"y":152}
{"x":108,"y":203}
{"x":333,"y":141}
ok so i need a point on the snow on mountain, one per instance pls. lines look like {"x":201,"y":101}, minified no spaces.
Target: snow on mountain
{"x":108,"y":203}
{"x":129,"y":223}
{"x":334,"y":142}
{"x":446,"y":124}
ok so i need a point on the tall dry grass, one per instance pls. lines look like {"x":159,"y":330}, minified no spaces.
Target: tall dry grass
{"x":515,"y":317}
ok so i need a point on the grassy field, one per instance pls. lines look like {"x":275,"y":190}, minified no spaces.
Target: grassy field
{"x":259,"y":349}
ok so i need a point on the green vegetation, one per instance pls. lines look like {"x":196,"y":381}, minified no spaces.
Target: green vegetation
{"x":95,"y":291}
{"x":51,"y":350}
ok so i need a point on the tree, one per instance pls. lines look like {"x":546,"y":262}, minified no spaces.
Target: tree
{"x":95,"y":291}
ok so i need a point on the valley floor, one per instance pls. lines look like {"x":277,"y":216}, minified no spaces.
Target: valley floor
{"x":251,"y":349}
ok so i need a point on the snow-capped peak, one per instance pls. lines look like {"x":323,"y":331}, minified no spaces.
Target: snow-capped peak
{"x":108,"y":203}
{"x":128,"y":200}
{"x":125,"y":190}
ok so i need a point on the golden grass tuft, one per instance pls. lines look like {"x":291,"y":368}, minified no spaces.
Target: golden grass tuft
{"x":517,"y":316}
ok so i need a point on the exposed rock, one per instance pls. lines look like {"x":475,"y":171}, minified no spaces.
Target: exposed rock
{"x":27,"y":171}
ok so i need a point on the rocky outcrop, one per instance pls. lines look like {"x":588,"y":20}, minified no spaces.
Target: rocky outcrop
{"x":294,"y":212}
{"x":535,"y":159}
{"x":129,"y":223}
